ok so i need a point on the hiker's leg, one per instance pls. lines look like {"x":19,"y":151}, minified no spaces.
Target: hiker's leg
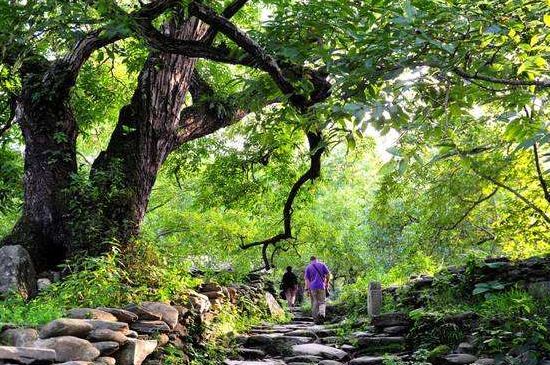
{"x":321,"y":299}
{"x":314,"y":304}
{"x":292,"y":298}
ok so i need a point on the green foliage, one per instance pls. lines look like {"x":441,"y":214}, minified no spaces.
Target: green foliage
{"x":110,"y":280}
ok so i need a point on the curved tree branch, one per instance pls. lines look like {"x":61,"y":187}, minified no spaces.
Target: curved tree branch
{"x":316,"y":149}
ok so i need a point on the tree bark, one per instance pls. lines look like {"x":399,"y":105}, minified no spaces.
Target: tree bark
{"x":49,"y":130}
{"x":148,"y":128}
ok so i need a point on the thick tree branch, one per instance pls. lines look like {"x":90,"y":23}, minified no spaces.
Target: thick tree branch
{"x":227,"y":13}
{"x":540,"y":176}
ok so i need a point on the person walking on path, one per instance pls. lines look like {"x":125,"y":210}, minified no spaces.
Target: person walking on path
{"x":317,"y":277}
{"x":289,"y":285}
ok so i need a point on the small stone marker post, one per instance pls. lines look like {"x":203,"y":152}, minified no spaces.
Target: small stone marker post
{"x":374,"y":299}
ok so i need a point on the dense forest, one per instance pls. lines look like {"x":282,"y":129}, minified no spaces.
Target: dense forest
{"x":148,"y":147}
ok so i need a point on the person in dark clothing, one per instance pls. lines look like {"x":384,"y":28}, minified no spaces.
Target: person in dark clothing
{"x":289,"y":285}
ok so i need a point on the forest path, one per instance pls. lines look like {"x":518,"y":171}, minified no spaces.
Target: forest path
{"x":302,"y":342}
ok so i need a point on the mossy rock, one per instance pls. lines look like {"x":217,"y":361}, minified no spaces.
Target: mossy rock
{"x":438,"y":351}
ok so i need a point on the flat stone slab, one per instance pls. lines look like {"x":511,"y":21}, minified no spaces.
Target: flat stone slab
{"x":325,"y":352}
{"x":90,"y":313}
{"x":330,"y":362}
{"x":459,"y":359}
{"x":266,"y":362}
{"x":26,"y":355}
{"x":251,"y":354}
{"x":66,"y":327}
{"x":367,"y":360}
{"x":69,"y":348}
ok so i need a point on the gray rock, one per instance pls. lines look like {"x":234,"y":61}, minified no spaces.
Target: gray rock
{"x":325,"y":352}
{"x":274,"y":307}
{"x":132,"y":334}
{"x":90,"y":313}
{"x":134,"y":352}
{"x":301,"y":333}
{"x":143,"y":313}
{"x":122,"y":315}
{"x":168,"y":313}
{"x":105,"y":360}
{"x":109,"y":325}
{"x":348,"y":348}
{"x":43,"y":283}
{"x":330,"y":362}
{"x":266,"y":362}
{"x":150,"y":327}
{"x":489,"y":361}
{"x":459,"y":359}
{"x":69,"y":348}
{"x":391,"y":320}
{"x":26,"y":355}
{"x":308,"y":359}
{"x":77,"y":363}
{"x":106,"y":347}
{"x":19,"y":337}
{"x":373,"y":342}
{"x":251,"y":354}
{"x":540,"y":289}
{"x":66,"y":327}
{"x":101,"y":335}
{"x":199,"y":302}
{"x":465,"y":348}
{"x":367,"y":360}
{"x":17,"y":272}
{"x":395,"y":330}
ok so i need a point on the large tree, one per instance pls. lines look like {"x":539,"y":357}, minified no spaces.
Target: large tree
{"x":157,"y":120}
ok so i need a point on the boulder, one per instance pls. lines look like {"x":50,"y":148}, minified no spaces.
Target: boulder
{"x":101,"y":335}
{"x":89,"y":313}
{"x":69,"y":348}
{"x":19,"y":337}
{"x":150,"y":327}
{"x":17,"y":272}
{"x":122,"y":315}
{"x":106,"y":347}
{"x":135,"y":351}
{"x":77,"y":363}
{"x":274,"y":306}
{"x":66,"y":327}
{"x":330,"y":362}
{"x":26,"y":355}
{"x":372,"y":344}
{"x":143,"y":313}
{"x":167,"y":313}
{"x":325,"y":352}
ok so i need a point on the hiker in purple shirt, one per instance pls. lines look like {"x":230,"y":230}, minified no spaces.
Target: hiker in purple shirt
{"x":317,"y":277}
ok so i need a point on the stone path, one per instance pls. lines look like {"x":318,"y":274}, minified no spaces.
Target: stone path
{"x":302,"y":342}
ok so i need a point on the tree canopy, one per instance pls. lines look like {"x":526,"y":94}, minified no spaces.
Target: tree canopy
{"x":249,"y":133}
